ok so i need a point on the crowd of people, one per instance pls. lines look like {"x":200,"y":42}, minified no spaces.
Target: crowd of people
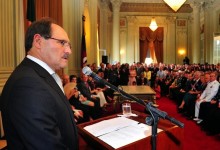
{"x":194,"y":88}
{"x":36,"y":110}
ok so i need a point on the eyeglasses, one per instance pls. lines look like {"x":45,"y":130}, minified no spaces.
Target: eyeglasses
{"x":64,"y":43}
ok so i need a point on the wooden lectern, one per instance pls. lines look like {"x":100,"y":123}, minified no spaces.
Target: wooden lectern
{"x":171,"y":138}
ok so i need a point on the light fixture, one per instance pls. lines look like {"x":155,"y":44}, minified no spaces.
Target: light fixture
{"x":175,"y":4}
{"x":182,"y":52}
{"x":153,"y":25}
{"x":148,"y":61}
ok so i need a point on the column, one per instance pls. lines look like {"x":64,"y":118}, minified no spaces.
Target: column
{"x":72,"y":23}
{"x":208,"y":30}
{"x":91,"y":27}
{"x":123,"y":42}
{"x":195,"y":52}
{"x":131,"y":54}
{"x":115,"y":35}
{"x":11,"y":38}
{"x":170,"y":47}
{"x":104,"y":14}
{"x":19,"y":16}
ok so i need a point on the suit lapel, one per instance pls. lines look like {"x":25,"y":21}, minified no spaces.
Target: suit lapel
{"x":50,"y":80}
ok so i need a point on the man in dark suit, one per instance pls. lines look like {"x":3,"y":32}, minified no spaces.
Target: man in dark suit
{"x":36,"y":113}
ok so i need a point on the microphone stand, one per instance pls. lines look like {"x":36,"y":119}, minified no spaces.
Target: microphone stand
{"x":152,"y":120}
{"x":156,"y":114}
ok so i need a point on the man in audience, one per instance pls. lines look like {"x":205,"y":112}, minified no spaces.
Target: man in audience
{"x":66,"y":79}
{"x":206,"y":108}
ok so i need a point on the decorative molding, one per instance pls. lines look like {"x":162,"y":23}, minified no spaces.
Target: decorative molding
{"x":181,"y":23}
{"x":116,"y":5}
{"x":181,"y":32}
{"x":131,"y":19}
{"x":104,"y":5}
{"x":171,"y":19}
{"x":190,"y":19}
{"x":152,"y":7}
{"x":123,"y":22}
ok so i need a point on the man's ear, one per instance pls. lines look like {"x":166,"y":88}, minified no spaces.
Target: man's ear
{"x":37,"y":41}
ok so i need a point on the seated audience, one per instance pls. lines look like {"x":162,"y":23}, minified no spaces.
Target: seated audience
{"x":196,"y":88}
{"x":206,"y":96}
{"x":84,"y":88}
{"x":206,"y":108}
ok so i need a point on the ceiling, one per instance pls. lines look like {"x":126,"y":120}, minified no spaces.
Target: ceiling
{"x":155,"y":6}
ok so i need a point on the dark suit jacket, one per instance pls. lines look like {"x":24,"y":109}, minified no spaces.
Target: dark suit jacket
{"x":35,"y":112}
{"x":85,"y":91}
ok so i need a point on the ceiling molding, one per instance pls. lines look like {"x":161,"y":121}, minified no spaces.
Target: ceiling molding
{"x":153,"y":7}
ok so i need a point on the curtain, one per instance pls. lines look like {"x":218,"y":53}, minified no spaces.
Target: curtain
{"x":151,"y":44}
{"x":46,"y":8}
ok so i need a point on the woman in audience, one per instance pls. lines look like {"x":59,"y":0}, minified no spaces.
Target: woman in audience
{"x":147,"y":75}
{"x":81,"y":106}
{"x":132,"y":75}
{"x":97,"y":92}
{"x":69,"y":86}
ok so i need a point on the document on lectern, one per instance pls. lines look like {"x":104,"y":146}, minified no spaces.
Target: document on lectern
{"x":107,"y":126}
{"x":118,"y":132}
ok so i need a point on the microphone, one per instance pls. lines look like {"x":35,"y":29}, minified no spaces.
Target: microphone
{"x":87,"y":71}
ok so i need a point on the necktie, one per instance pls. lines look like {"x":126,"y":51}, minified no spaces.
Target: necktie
{"x":58,"y":80}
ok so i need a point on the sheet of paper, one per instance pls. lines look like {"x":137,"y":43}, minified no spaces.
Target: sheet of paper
{"x":107,"y":126}
{"x":119,"y":131}
{"x":127,"y":135}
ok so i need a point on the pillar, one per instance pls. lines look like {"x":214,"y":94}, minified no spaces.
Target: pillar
{"x":195,"y":52}
{"x":115,"y":35}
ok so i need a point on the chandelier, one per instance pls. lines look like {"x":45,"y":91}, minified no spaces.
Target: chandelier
{"x":153,"y":25}
{"x":175,"y":4}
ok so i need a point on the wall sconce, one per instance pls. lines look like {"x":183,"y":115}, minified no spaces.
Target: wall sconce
{"x":181,"y":52}
{"x":122,"y":52}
